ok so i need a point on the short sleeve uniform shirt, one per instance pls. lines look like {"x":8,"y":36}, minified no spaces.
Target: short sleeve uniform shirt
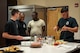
{"x":69,"y":22}
{"x":11,"y":28}
{"x":36,"y":26}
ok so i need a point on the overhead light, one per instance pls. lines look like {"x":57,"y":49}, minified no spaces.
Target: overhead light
{"x":23,"y":10}
{"x":20,"y":7}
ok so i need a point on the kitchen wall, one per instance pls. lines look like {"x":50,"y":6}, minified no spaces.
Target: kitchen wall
{"x":32,"y":2}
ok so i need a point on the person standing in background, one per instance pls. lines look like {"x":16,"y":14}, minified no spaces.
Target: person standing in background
{"x":11,"y":30}
{"x":22,"y":25}
{"x":36,"y":26}
{"x":68,"y":25}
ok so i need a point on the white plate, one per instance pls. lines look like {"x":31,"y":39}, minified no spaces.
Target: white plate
{"x":26,"y":38}
{"x":26,"y":43}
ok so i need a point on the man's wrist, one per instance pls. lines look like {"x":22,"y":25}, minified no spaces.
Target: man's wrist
{"x":68,"y":28}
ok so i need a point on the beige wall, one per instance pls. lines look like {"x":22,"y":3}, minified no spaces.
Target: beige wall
{"x":32,"y":2}
{"x":73,"y":11}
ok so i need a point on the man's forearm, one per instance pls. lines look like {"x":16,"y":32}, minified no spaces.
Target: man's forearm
{"x":75,"y":29}
{"x":29,"y":29}
{"x":8,"y":36}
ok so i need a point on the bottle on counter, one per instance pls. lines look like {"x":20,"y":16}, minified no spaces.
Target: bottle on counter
{"x":35,"y":38}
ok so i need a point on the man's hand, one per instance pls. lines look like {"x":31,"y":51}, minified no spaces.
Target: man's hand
{"x":64,"y":28}
{"x":55,"y":28}
{"x":19,"y":37}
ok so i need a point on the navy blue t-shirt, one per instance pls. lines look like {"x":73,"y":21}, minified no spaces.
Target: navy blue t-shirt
{"x":11,"y":28}
{"x":69,"y":22}
{"x":21,"y":28}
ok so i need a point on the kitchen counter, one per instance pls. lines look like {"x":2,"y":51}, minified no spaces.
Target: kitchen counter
{"x":46,"y":48}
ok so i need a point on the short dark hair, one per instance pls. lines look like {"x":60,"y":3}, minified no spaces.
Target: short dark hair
{"x":35,"y":12}
{"x":64,"y":9}
{"x":14,"y":11}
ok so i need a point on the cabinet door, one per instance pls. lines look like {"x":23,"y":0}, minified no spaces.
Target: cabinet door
{"x":53,"y":16}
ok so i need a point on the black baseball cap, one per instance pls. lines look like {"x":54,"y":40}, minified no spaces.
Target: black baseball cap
{"x":64,"y":9}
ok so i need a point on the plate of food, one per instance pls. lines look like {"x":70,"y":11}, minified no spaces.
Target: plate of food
{"x":59,"y":42}
{"x":12,"y":49}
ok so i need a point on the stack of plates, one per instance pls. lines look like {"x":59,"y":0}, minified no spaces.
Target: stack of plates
{"x":26,"y":43}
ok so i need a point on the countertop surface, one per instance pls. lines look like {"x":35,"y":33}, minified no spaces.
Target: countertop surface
{"x":46,"y":48}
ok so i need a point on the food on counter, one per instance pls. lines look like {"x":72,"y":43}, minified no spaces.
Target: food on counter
{"x":39,"y":39}
{"x":36,"y":45}
{"x":58,"y":42}
{"x":11,"y":49}
{"x":1,"y":51}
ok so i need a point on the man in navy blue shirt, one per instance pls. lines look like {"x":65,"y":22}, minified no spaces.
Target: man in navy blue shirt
{"x":67,"y":25}
{"x":11,"y":33}
{"x":22,"y":28}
